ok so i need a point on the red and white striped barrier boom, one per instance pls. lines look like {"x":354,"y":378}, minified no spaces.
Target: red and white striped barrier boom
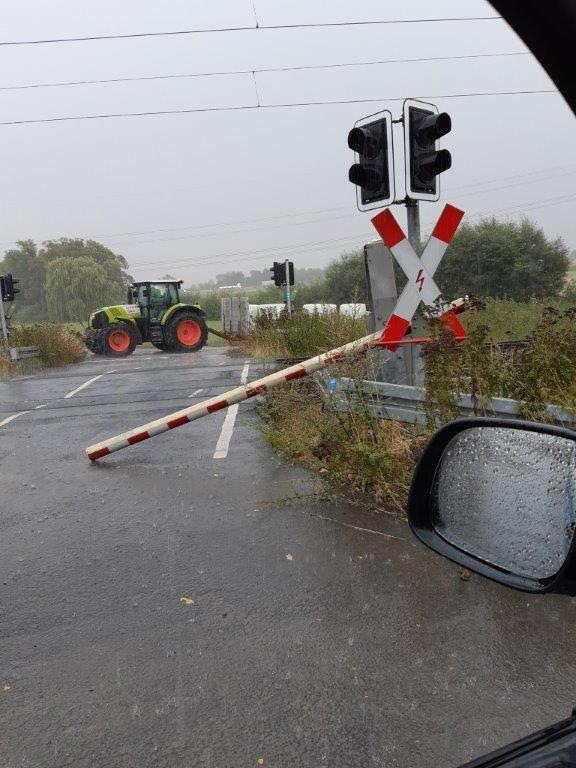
{"x":420,"y":287}
{"x":237,"y":395}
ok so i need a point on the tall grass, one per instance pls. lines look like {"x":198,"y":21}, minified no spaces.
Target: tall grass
{"x":57,"y":345}
{"x":301,"y":335}
{"x":353,"y":450}
{"x":508,"y":320}
{"x":541,"y":371}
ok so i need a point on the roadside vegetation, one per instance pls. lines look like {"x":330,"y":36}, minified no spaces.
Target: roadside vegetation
{"x":57,"y":345}
{"x":357,"y":451}
{"x":302,"y":335}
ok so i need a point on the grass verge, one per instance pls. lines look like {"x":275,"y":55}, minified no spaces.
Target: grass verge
{"x":351,"y":450}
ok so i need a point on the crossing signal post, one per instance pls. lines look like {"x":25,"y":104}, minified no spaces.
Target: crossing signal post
{"x":283,"y":276}
{"x":373,"y":169}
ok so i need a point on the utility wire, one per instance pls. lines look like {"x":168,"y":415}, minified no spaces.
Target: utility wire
{"x":312,"y":25}
{"x":226,"y":223}
{"x":229,"y":257}
{"x":336,"y":211}
{"x":244,"y":107}
{"x":256,"y":71}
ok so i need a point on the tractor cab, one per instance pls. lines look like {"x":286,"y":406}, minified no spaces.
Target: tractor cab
{"x":154,"y":297}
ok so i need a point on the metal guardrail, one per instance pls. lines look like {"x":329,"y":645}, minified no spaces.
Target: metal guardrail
{"x":23,"y":353}
{"x":404,"y":403}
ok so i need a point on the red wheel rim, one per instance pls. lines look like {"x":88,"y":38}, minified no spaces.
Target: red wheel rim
{"x":188,"y":332}
{"x":119,"y":341}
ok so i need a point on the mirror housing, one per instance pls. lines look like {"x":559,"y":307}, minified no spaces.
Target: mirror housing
{"x":552,"y":746}
{"x":462,"y":474}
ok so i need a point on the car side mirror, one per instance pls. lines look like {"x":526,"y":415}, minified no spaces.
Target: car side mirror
{"x":499,"y":498}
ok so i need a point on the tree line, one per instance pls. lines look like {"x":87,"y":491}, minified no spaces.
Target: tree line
{"x":66,"y":279}
{"x":490,"y":259}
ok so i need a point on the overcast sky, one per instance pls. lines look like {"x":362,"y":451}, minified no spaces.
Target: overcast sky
{"x":197,"y":194}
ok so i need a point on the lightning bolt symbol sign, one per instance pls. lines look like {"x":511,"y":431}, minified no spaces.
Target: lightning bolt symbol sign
{"x":420,"y":279}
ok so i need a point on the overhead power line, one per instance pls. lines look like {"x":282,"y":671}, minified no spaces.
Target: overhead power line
{"x":255,"y":27}
{"x":237,"y":256}
{"x":484,"y":184}
{"x":257,"y":71}
{"x":244,"y":107}
{"x":258,"y":254}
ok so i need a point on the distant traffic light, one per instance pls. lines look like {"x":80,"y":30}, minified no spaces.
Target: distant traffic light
{"x":7,"y":289}
{"x":423,"y":126}
{"x":279,"y":273}
{"x":373,"y":171}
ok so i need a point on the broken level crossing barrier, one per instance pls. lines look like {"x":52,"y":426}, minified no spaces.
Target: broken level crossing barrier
{"x":236,"y":395}
{"x":420,"y":285}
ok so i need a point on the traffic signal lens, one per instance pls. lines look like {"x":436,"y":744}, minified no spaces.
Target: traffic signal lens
{"x":366,"y":142}
{"x":367,"y":178}
{"x":430,"y":127}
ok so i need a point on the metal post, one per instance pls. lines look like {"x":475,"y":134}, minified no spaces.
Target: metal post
{"x":413,"y":222}
{"x":287,"y":279}
{"x":3,"y":323}
{"x":413,"y":216}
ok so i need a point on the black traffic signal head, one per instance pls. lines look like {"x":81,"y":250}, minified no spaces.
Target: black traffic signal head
{"x":7,"y":287}
{"x":371,"y":140}
{"x":423,"y":126}
{"x":277,"y":273}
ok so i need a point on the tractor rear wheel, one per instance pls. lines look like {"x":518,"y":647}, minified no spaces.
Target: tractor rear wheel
{"x":186,"y":332}
{"x":118,"y":340}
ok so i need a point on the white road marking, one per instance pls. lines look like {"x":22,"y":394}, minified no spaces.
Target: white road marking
{"x":83,"y":386}
{"x":11,"y":418}
{"x":223,"y":443}
{"x":196,"y":392}
{"x":37,"y":407}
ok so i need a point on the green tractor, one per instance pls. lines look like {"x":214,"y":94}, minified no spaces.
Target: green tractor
{"x":153,"y":313}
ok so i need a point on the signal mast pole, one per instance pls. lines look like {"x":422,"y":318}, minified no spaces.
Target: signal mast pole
{"x":3,"y":321}
{"x":288,"y":294}
{"x":413,"y":221}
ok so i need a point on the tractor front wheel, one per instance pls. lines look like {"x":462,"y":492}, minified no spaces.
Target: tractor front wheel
{"x":117,"y":340}
{"x":186,"y":332}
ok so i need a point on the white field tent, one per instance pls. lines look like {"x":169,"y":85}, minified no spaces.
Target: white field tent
{"x":320,"y":309}
{"x":356,"y":311}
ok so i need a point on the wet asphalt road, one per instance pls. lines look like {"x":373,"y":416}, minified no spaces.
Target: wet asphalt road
{"x":164,"y":608}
